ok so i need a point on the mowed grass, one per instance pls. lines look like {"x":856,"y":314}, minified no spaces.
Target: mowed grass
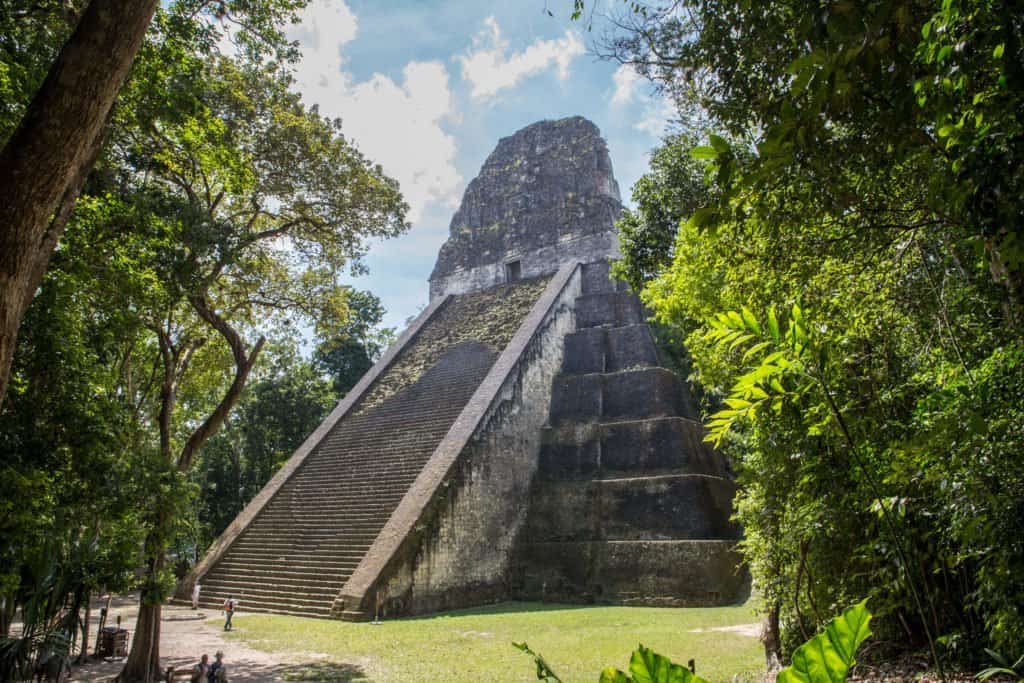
{"x":476,"y":644}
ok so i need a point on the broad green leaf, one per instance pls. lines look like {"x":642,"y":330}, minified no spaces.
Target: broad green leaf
{"x":750,"y":320}
{"x":740,"y":339}
{"x":718,"y":143}
{"x":755,"y":349}
{"x":759,"y":393}
{"x":773,"y":325}
{"x":704,"y":153}
{"x":828,"y":656}
{"x":647,"y":666}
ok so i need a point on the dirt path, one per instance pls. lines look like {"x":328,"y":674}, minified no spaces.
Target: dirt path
{"x":187,"y":634}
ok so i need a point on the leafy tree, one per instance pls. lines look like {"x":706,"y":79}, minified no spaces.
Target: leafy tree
{"x":221,"y":210}
{"x":669,"y":192}
{"x":44,"y":164}
{"x":68,"y":484}
{"x":864,"y":169}
{"x":242,"y":206}
{"x":45,"y":161}
{"x":349,"y":350}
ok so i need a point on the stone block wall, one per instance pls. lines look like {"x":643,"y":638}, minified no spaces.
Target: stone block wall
{"x":472,"y":503}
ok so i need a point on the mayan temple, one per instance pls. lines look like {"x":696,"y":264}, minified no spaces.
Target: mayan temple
{"x":520,"y":440}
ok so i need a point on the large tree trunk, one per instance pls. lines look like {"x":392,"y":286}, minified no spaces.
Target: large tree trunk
{"x":44,"y":164}
{"x":143,"y":664}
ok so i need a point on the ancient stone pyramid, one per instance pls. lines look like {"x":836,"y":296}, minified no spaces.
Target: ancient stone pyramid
{"x":519,"y":440}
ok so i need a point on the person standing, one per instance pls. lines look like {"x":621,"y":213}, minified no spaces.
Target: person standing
{"x":195,"y":595}
{"x":201,"y":671}
{"x":229,"y":611}
{"x":218,"y":673}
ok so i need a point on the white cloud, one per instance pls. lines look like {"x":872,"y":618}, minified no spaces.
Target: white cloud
{"x":625,"y":79}
{"x":395,"y":124}
{"x":489,"y":67}
{"x":655,"y":115}
{"x":653,"y":110}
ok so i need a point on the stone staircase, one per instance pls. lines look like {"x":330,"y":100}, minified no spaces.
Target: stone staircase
{"x":297,"y":554}
{"x":629,"y":505}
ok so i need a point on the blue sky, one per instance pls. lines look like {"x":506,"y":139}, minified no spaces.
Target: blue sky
{"x":426,"y":90}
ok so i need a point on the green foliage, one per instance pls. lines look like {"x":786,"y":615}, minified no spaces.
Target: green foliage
{"x":670,"y":192}
{"x":778,"y":354}
{"x":222,"y":211}
{"x":864,"y":168}
{"x":825,"y":658}
{"x":349,"y":350}
{"x":646,"y":666}
{"x":544,"y":672}
{"x":1003,"y":667}
{"x":829,"y":656}
{"x":69,"y":498}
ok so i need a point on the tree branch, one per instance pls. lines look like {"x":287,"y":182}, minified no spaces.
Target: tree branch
{"x":244,"y":363}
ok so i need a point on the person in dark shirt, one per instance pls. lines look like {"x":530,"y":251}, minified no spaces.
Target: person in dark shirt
{"x":218,"y":672}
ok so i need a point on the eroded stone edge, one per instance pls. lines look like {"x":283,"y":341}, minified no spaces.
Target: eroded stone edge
{"x":216,"y":551}
{"x":427,"y":484}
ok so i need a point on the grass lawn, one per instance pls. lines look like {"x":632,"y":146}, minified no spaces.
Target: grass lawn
{"x":475,"y":644}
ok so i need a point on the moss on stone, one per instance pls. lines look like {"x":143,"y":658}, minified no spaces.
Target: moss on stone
{"x":490,"y":317}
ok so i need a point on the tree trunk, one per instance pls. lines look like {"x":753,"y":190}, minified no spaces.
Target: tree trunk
{"x":45,"y":162}
{"x":143,"y":664}
{"x":772,"y":640}
{"x":83,"y":654}
{"x":7,"y":609}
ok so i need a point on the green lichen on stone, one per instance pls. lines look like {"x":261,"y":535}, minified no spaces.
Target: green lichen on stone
{"x":490,"y":317}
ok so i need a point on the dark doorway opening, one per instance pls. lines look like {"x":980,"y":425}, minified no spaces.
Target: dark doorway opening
{"x":513,"y":271}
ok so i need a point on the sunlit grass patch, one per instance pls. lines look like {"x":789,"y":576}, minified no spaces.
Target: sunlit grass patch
{"x":475,"y":644}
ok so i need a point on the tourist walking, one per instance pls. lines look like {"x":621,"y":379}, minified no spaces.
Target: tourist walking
{"x":229,"y":611}
{"x":195,"y":595}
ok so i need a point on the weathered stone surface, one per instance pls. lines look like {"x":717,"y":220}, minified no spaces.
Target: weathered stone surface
{"x":617,"y":449}
{"x":544,"y":196}
{"x":629,"y":506}
{"x":450,"y":542}
{"x":610,"y":310}
{"x":490,"y":317}
{"x":599,"y":349}
{"x":678,"y":573}
{"x":296,"y":552}
{"x":666,"y":507}
{"x":639,"y":393}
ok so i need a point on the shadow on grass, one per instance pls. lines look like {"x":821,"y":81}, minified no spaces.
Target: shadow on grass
{"x":321,"y":672}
